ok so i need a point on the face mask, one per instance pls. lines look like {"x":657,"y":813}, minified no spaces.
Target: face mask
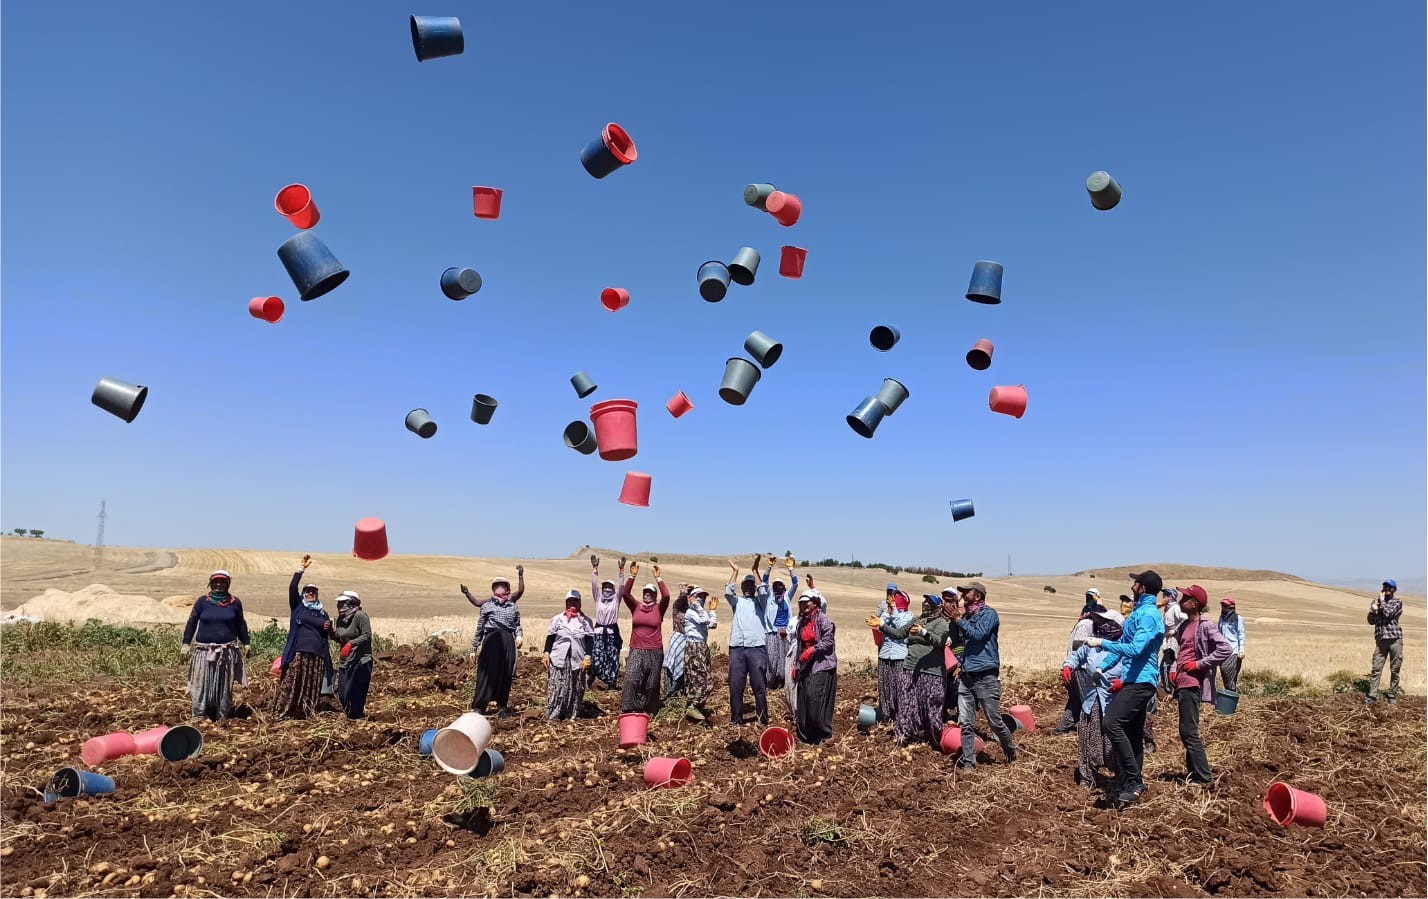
{"x":607,"y":592}
{"x":313,"y":603}
{"x":572,"y":611}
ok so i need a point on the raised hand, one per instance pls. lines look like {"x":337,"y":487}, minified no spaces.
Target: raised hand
{"x":464,"y":590}
{"x":594,"y":561}
{"x":520,"y":571}
{"x":655,"y":569}
{"x":634,"y":568}
{"x":758,"y":559}
{"x":306,"y":561}
{"x":622,"y":563}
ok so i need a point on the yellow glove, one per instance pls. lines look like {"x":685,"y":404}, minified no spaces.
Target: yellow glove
{"x":634,"y":568}
{"x":655,"y":569}
{"x":585,"y":663}
{"x":545,"y":659}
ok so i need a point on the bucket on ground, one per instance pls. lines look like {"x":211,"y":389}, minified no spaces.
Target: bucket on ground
{"x":436,"y":36}
{"x":951,"y":741}
{"x":636,"y":489}
{"x":678,"y":404}
{"x":740,"y":376}
{"x":763,"y":348}
{"x":370,"y":539}
{"x":579,"y":437}
{"x":616,"y":430}
{"x":482,"y":408}
{"x":961,"y":509}
{"x":457,"y":747}
{"x":183,"y":741}
{"x":419,"y":423}
{"x":311,"y":265}
{"x":713,"y":280}
{"x":775,"y":741}
{"x":784,"y":207}
{"x":634,"y":729}
{"x":486,"y":202}
{"x":146,"y":742}
{"x":269,"y":309}
{"x":980,"y":355}
{"x":584,"y":384}
{"x":1022,"y":713}
{"x":1105,"y":192}
{"x":295,"y":204}
{"x":424,"y":744}
{"x":745,"y":266}
{"x":614,"y":298}
{"x":1226,"y":701}
{"x":667,"y":772}
{"x":884,"y":337}
{"x":109,"y":746}
{"x":613,"y":149}
{"x":864,"y":420}
{"x":1287,"y":805}
{"x":867,"y":716}
{"x":70,"y":782}
{"x":490,"y":764}
{"x":756,"y":195}
{"x":791,"y":260}
{"x":119,"y":398}
{"x":1008,"y":400}
{"x":459,"y":283}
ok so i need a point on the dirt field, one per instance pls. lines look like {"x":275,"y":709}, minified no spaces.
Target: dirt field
{"x":256,"y":813}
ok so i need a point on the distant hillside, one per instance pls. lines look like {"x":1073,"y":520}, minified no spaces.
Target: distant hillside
{"x":1185,"y":573}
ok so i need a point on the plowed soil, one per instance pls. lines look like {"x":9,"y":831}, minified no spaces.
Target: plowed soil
{"x":329,"y":807}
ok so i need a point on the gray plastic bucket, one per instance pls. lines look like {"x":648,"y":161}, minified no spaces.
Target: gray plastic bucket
{"x":713,"y":280}
{"x":1105,"y":192}
{"x":460,"y":283}
{"x":420,"y":423}
{"x":745,"y":266}
{"x":866,"y":418}
{"x":756,"y":195}
{"x":580,"y":437}
{"x":119,"y":398}
{"x":1226,"y":701}
{"x":884,"y":337}
{"x":961,"y":509}
{"x":763,"y":348}
{"x":491,"y":763}
{"x":891,"y":394}
{"x":740,"y":376}
{"x":482,"y":408}
{"x":584,"y":384}
{"x":181,"y":742}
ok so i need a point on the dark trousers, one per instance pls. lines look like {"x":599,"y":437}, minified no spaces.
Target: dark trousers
{"x":352,"y":684}
{"x":1197,"y":765}
{"x":1072,"y":713}
{"x":748,"y":663}
{"x":1124,"y":724}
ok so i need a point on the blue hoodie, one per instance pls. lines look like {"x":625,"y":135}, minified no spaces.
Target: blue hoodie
{"x":1139,"y":646}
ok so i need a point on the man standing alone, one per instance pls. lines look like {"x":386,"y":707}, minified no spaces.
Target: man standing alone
{"x":1388,"y":641}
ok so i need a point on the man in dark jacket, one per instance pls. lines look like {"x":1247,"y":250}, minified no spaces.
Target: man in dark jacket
{"x":980,"y":684}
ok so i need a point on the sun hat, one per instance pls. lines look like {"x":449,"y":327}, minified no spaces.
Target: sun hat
{"x":226,"y":576}
{"x":573,"y":594}
{"x":1094,"y":592}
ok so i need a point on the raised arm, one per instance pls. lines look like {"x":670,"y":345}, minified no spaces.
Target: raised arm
{"x":594,"y":579}
{"x":478,"y":603}
{"x":294,"y":598}
{"x":520,"y":584}
{"x":625,"y":592}
{"x":663,"y":591}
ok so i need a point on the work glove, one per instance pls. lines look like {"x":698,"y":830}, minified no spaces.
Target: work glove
{"x":1066,"y":674}
{"x":634,"y":568}
{"x":1241,"y":657}
{"x":464,"y":590}
{"x":805,"y":655}
{"x":655,"y":569}
{"x":595,"y":562}
{"x":346,"y":649}
{"x":874,"y":621}
{"x":1095,"y":642}
{"x":585,"y":663}
{"x":545,"y":659}
{"x":327,"y":627}
{"x":520,"y":571}
{"x":1116,"y":684}
{"x":1188,"y":666}
{"x":185,"y":649}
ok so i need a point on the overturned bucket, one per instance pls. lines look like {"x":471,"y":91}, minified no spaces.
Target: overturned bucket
{"x":97,"y":750}
{"x":1008,"y":400}
{"x":745,"y":266}
{"x":436,"y":36}
{"x":459,"y":283}
{"x":311,"y":265}
{"x":763,"y":348}
{"x":1024,"y":716}
{"x":424,"y":744}
{"x":756,"y":195}
{"x":369,"y":541}
{"x":146,"y":742}
{"x":867,"y":717}
{"x":616,"y":430}
{"x":636,"y":489}
{"x":740,"y":376}
{"x":613,"y":149}
{"x":70,"y":782}
{"x":584,"y":384}
{"x":668,"y":772}
{"x":1105,"y":192}
{"x":867,"y":416}
{"x":183,"y":741}
{"x":884,"y":337}
{"x":980,"y":355}
{"x":119,"y":398}
{"x":951,"y":741}
{"x":490,"y":764}
{"x":295,"y":204}
{"x":457,"y":747}
{"x":678,"y":404}
{"x":1287,"y":805}
{"x":482,"y":408}
{"x":419,"y":423}
{"x":986,"y":284}
{"x":579,"y":437}
{"x":961,"y":509}
{"x":713,"y":280}
{"x":634,"y":729}
{"x":892,"y":394}
{"x":269,"y":309}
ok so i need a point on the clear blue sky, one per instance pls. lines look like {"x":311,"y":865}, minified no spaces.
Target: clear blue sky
{"x":1228,"y":368}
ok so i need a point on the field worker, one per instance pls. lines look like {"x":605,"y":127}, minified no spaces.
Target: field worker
{"x":1136,"y":651}
{"x":1080,"y":631}
{"x":919,"y":709}
{"x":495,"y":644}
{"x":790,"y":689}
{"x":642,"y":669}
{"x":816,"y":671}
{"x":748,"y":651}
{"x":950,"y":677}
{"x":1127,"y":605}
{"x":674,"y":656}
{"x":1232,"y":627}
{"x":217,"y":627}
{"x":569,"y":643}
{"x":306,"y":661}
{"x":1083,"y":666}
{"x":776,"y":624}
{"x":1169,"y":606}
{"x":892,"y":675}
{"x":1201,"y":649}
{"x":353,"y":634}
{"x":1387,"y":639}
{"x":699,"y":617}
{"x":980,"y":683}
{"x":608,"y":641}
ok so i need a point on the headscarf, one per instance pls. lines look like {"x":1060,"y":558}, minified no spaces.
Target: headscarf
{"x":216,"y":596}
{"x":1105,"y":625}
{"x":572,"y":604}
{"x":652,"y":592}
{"x":501,"y":599}
{"x":347,"y":605}
{"x":315,"y":603}
{"x":1229,"y":614}
{"x":931,"y":604}
{"x":900,"y":601}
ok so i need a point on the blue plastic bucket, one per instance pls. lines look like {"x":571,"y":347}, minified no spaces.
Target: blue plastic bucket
{"x":424,"y":747}
{"x":1226,"y":701}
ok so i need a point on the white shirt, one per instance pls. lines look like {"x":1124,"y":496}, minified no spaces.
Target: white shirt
{"x":1173,"y":616}
{"x":570,"y":634}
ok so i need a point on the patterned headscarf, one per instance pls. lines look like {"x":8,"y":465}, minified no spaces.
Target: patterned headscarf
{"x":347,"y":606}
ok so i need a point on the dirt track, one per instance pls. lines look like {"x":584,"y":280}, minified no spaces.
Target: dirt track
{"x":858,"y":817}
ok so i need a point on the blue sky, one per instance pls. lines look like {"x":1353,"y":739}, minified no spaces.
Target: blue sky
{"x":1228,"y":368}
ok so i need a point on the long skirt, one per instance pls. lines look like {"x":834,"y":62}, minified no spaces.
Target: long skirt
{"x":697,"y":684}
{"x":352,"y":684}
{"x":493,"y":670}
{"x":1093,"y":747}
{"x":605,"y":662}
{"x":211,"y":674}
{"x":816,"y":695}
{"x":564,"y":688}
{"x":919,"y":712}
{"x":298,"y":691}
{"x":642,"y":670}
{"x":891,"y":683}
{"x":777,"y":648}
{"x":790,"y":687}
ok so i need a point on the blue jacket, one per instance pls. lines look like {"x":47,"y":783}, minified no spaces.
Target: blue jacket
{"x":1139,"y":645}
{"x":979,"y":641}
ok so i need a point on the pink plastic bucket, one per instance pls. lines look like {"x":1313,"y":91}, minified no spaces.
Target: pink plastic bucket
{"x":486,"y":202}
{"x":636,"y":489}
{"x":269,"y":309}
{"x":109,"y":746}
{"x":949,"y":658}
{"x":146,"y":742}
{"x":784,"y":207}
{"x":790,"y":261}
{"x":1023,"y":714}
{"x":1008,"y":400}
{"x":678,"y":404}
{"x":370,"y":540}
{"x":1287,"y":805}
{"x":634,"y":729}
{"x":615,"y":431}
{"x":667,"y":772}
{"x":614,"y":298}
{"x":295,"y":204}
{"x":775,"y":741}
{"x":952,"y":740}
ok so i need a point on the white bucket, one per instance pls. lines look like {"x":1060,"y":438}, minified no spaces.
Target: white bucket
{"x":457,"y":748}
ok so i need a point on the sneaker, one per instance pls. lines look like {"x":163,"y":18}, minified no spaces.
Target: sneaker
{"x":506,"y":713}
{"x":966,"y":764}
{"x":1393,"y":700}
{"x":1011,"y":754}
{"x":1129,"y":795}
{"x":1370,"y":700}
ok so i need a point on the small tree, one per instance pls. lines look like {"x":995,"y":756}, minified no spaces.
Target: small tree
{"x":35,"y":533}
{"x":20,"y":532}
{"x":929,"y":579}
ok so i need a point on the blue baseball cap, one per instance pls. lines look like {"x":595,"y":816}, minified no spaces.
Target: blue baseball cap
{"x":1391,"y":583}
{"x":932,"y":598}
{"x":892,"y":585}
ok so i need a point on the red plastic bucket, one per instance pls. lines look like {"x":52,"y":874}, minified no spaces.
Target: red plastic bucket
{"x":1008,"y":400}
{"x":1023,"y":714}
{"x":678,"y":404}
{"x":486,"y":202}
{"x":370,"y":541}
{"x":634,"y":729}
{"x":790,"y":261}
{"x":615,"y":430}
{"x":614,"y":298}
{"x":1287,"y":805}
{"x":295,"y":204}
{"x":269,"y":309}
{"x":980,"y":356}
{"x":952,"y":740}
{"x":636,"y":490}
{"x":784,"y":207}
{"x":109,"y":746}
{"x":667,"y":772}
{"x":877,"y":637}
{"x":775,"y":741}
{"x":276,"y":669}
{"x":146,"y":742}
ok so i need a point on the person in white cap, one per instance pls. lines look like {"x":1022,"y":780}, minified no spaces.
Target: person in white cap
{"x":352,"y":632}
{"x":569,"y":644}
{"x":699,"y":617}
{"x":1083,"y":666}
{"x":642,"y":669}
{"x":1080,"y":631}
{"x":495,"y":643}
{"x":217,"y":627}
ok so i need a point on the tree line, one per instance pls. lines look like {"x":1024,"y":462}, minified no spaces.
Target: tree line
{"x":32,"y":532}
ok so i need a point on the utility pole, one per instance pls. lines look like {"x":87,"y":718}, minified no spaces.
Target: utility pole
{"x":99,"y":537}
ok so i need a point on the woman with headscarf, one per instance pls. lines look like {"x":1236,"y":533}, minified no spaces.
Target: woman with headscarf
{"x":699,"y":617}
{"x":777,"y":614}
{"x":495,"y":644}
{"x":919,"y":712}
{"x":353,"y":633}
{"x":1083,"y":667}
{"x":608,"y":642}
{"x":642,"y":668}
{"x":217,"y":627}
{"x":305,"y":662}
{"x":674,"y":656}
{"x":893,"y":617}
{"x":569,"y":643}
{"x":1232,"y":628}
{"x":816,"y":670}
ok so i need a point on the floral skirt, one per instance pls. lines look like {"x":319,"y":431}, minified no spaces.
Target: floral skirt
{"x":298,"y":691}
